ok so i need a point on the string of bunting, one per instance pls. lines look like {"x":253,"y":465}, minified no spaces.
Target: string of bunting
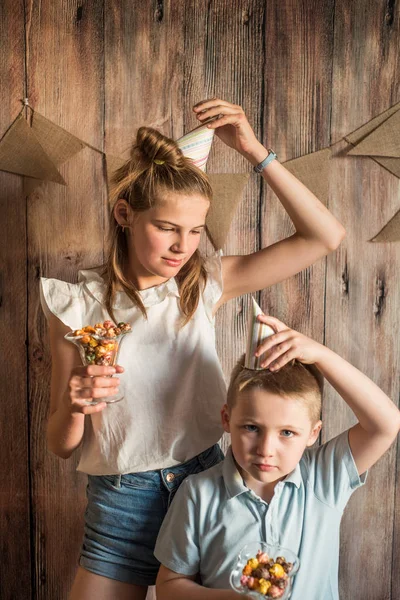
{"x":37,"y":150}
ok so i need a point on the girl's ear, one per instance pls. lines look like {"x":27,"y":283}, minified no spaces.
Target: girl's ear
{"x":314,"y":433}
{"x":225,"y":418}
{"x":123,"y":213}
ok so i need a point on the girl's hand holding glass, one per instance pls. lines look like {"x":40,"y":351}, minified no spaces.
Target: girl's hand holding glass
{"x":91,"y":387}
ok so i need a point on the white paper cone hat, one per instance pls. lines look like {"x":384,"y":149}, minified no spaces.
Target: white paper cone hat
{"x":196,"y":145}
{"x":257,"y":332}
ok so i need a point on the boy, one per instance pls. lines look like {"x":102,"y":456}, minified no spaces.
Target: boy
{"x":272,"y":486}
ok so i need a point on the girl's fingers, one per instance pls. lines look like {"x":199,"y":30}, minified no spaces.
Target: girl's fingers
{"x":205,"y":104}
{"x":92,"y":382}
{"x":234,"y":119}
{"x":214,"y":111}
{"x":95,"y":371}
{"x":88,"y":410}
{"x":85,"y":393}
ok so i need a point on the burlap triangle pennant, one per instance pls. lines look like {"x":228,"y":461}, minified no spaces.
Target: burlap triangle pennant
{"x":383,"y":141}
{"x":256,"y":333}
{"x":362,"y":132}
{"x":21,"y":153}
{"x":313,"y":170}
{"x":59,"y":144}
{"x":227,"y":191}
{"x":391,"y":231}
{"x":356,"y":137}
{"x":196,"y":145}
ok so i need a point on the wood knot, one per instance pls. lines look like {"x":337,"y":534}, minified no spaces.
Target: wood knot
{"x":245,"y":16}
{"x":159,"y":11}
{"x":380,"y":297}
{"x":345,"y":280}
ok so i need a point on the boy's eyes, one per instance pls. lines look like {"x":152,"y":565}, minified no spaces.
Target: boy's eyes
{"x":251,"y":428}
{"x":287,"y":433}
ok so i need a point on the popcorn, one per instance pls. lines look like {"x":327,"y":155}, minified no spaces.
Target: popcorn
{"x":98,"y":344}
{"x":266,"y":576}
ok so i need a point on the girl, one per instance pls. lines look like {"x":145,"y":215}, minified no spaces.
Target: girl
{"x":137,"y":452}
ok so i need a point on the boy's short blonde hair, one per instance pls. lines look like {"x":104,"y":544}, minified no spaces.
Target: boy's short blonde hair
{"x":295,"y":380}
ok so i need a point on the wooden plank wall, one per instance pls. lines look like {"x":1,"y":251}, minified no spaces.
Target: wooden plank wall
{"x":307,"y":72}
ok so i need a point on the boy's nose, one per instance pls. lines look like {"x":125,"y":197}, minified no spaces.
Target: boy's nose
{"x":265,"y":446}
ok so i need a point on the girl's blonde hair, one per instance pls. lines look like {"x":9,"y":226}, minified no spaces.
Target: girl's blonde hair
{"x":156,"y":165}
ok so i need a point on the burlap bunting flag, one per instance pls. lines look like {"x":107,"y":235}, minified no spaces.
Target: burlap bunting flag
{"x":59,"y":145}
{"x":391,"y":231}
{"x":362,"y":138}
{"x":313,"y":170}
{"x":21,"y":153}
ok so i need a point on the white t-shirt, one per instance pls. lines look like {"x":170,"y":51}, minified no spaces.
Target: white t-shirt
{"x":174,"y":384}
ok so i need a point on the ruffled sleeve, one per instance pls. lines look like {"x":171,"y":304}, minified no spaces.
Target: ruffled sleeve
{"x":62,"y":299}
{"x":214,"y":287}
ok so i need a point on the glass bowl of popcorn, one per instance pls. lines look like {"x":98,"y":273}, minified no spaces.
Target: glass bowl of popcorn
{"x":264,"y":571}
{"x":100,"y":344}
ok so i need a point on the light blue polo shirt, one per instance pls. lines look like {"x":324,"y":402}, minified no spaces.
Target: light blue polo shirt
{"x":214,"y":514}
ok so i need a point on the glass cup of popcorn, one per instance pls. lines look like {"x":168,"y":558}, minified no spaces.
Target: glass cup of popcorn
{"x":100,"y":345}
{"x":264,"y":571}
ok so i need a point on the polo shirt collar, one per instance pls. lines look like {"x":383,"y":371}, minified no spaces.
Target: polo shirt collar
{"x":234,"y":482}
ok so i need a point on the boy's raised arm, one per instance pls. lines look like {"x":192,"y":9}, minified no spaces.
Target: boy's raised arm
{"x":379,"y":418}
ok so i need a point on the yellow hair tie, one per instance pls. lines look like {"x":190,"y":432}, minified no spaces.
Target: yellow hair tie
{"x":158,"y":161}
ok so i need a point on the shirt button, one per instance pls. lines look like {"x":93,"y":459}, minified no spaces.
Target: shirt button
{"x":170,"y":477}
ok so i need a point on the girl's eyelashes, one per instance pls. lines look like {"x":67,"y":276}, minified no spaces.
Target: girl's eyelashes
{"x":161,"y":228}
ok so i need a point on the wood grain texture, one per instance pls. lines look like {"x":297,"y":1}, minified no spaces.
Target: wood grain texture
{"x":65,"y":234}
{"x":15,"y":537}
{"x":362,"y":298}
{"x":307,"y":73}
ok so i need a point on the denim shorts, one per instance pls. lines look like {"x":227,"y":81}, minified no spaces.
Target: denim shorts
{"x":123,"y":517}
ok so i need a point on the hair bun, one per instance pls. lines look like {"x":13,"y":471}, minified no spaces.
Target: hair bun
{"x":151,"y":145}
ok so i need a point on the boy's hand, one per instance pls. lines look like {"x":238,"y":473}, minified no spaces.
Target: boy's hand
{"x":231,"y":126}
{"x":286,"y":345}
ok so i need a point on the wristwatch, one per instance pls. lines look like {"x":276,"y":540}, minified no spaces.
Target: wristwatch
{"x":261,"y":166}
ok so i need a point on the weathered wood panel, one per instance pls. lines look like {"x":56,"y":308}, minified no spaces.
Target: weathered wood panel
{"x":15,"y":548}
{"x":64,"y":229}
{"x":306,"y":73}
{"x":297,"y":79}
{"x":362,"y":298}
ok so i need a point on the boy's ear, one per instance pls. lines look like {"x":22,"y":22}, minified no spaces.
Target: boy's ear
{"x":314,"y":433}
{"x":123,"y":213}
{"x":225,"y":418}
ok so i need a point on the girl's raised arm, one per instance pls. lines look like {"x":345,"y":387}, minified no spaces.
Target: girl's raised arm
{"x":317,"y":233}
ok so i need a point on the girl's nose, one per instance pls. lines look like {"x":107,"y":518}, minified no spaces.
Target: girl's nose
{"x":180,"y":244}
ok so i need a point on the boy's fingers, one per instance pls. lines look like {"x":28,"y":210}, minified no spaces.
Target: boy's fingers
{"x":282,"y":361}
{"x":273,"y":340}
{"x":277,"y":351}
{"x":273,"y":321}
